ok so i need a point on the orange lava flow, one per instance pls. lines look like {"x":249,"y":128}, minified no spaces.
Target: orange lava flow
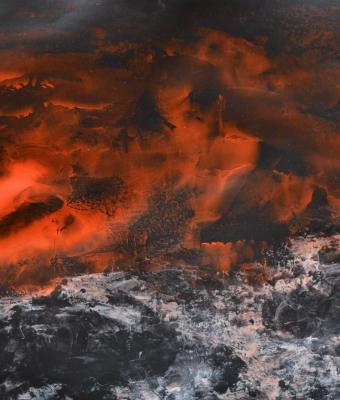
{"x":84,"y":145}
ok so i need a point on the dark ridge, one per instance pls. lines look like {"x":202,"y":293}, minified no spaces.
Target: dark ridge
{"x":28,"y":213}
{"x":249,"y":226}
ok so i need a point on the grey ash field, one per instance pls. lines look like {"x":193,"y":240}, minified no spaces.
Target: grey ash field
{"x":181,"y":334}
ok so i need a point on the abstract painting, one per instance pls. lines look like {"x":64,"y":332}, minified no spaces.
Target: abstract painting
{"x":169,"y":200}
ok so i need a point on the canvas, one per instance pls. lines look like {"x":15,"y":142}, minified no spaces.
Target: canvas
{"x":169,"y":200}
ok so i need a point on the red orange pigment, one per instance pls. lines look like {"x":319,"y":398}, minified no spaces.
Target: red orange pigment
{"x":210,"y":151}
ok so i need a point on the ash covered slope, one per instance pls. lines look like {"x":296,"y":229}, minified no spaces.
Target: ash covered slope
{"x":177,"y":334}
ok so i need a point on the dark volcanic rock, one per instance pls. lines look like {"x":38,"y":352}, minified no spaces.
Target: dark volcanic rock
{"x":303,"y":313}
{"x":178,"y":334}
{"x":81,"y":348}
{"x":227,"y":367}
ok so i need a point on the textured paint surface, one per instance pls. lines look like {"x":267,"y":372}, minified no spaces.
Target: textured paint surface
{"x":188,"y":150}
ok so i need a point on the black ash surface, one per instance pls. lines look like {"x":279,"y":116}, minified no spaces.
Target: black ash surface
{"x":168,"y":335}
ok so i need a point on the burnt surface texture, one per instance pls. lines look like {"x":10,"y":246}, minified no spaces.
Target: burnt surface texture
{"x":178,"y":333}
